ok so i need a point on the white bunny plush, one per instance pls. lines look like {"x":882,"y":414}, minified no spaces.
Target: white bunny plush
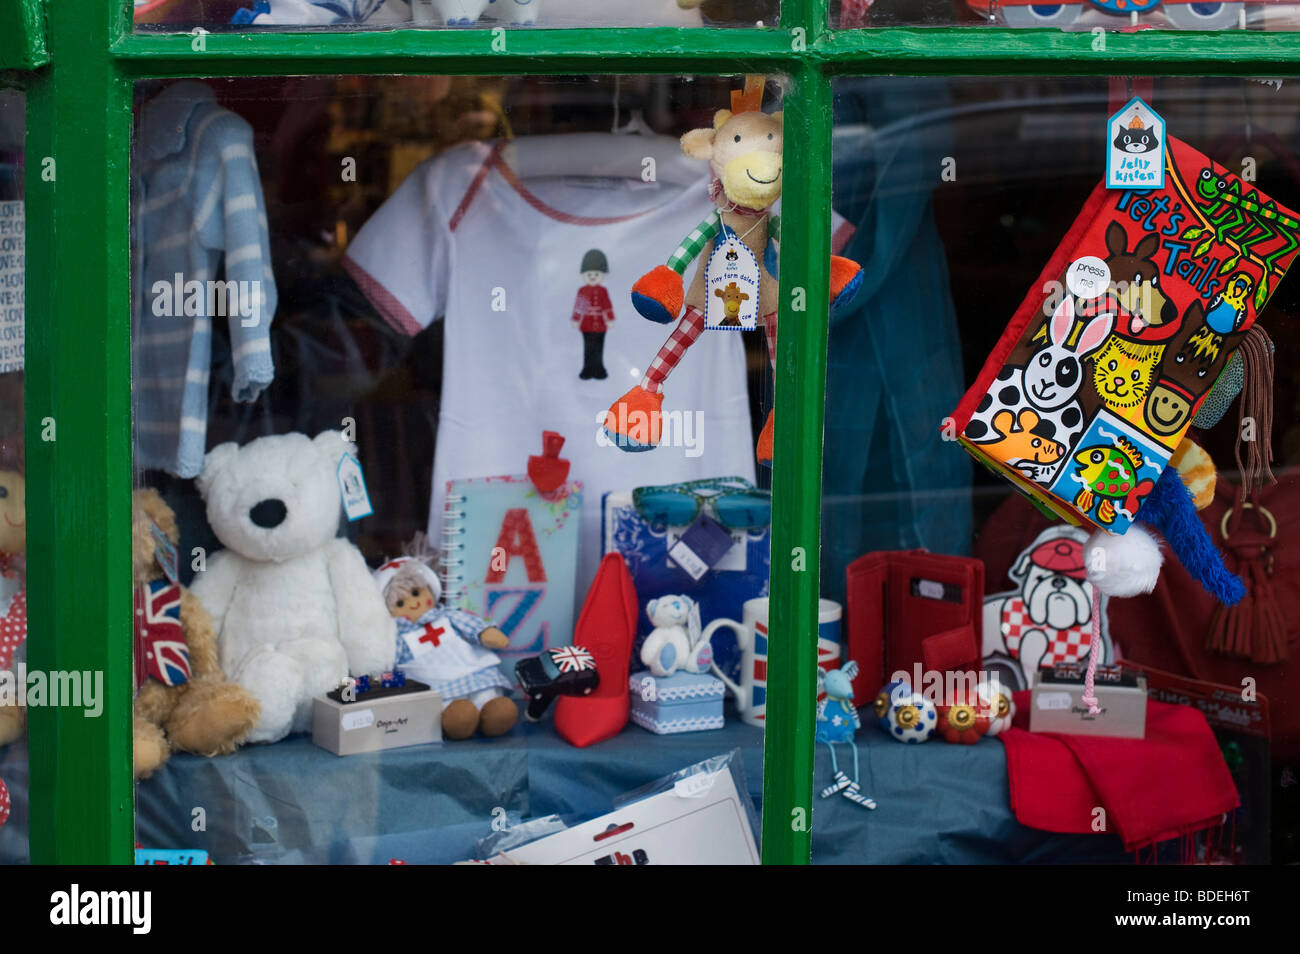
{"x":1033,"y":409}
{"x":675,"y":642}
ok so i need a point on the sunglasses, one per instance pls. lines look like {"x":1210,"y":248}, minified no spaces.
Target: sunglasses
{"x":734,"y":502}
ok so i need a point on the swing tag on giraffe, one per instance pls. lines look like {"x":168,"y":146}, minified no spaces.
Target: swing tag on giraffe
{"x":731,"y":285}
{"x":1135,"y":148}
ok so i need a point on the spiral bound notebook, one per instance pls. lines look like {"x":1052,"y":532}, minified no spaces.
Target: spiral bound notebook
{"x":510,"y":555}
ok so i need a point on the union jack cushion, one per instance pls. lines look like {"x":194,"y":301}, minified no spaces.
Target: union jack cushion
{"x":160,"y":649}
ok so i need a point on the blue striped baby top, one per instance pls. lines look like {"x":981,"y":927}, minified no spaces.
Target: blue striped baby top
{"x":196,"y":200}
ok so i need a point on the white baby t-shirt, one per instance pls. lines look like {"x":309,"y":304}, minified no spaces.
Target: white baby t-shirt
{"x":497,"y":253}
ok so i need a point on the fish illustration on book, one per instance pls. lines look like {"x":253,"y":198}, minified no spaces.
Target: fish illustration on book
{"x":1111,"y":474}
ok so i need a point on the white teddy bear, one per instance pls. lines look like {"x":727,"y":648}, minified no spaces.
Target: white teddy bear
{"x":295,"y":607}
{"x":675,"y":644}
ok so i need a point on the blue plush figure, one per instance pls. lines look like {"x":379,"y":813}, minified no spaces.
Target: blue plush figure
{"x":837,"y":721}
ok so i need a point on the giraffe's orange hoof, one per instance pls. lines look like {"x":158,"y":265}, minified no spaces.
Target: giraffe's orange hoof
{"x":764,"y":450}
{"x":634,"y":422}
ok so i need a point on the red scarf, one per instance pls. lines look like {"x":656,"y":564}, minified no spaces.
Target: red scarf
{"x":1172,"y":784}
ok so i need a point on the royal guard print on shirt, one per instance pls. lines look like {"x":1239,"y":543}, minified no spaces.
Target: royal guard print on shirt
{"x":1096,"y":379}
{"x":593,"y":313}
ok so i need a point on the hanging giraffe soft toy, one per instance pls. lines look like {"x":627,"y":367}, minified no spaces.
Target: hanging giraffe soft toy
{"x":737,"y":257}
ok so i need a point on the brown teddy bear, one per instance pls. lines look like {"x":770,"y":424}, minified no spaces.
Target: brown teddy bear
{"x":183,"y":700}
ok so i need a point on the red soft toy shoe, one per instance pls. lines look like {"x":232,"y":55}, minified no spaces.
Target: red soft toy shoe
{"x":764,"y":450}
{"x":846,"y":279}
{"x":634,"y":422}
{"x":658,"y":294}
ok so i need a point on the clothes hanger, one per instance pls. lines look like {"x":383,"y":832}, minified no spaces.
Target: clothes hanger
{"x":618,"y":154}
{"x":602,"y":155}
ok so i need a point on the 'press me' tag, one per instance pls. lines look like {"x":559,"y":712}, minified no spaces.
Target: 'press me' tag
{"x":703,"y":544}
{"x":731,"y":285}
{"x":352,"y":488}
{"x":164,"y":551}
{"x":1135,"y":148}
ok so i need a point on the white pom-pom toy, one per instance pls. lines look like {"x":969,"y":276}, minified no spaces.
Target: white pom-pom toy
{"x":1124,"y":565}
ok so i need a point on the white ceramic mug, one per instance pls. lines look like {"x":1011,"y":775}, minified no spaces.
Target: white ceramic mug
{"x":751,"y":637}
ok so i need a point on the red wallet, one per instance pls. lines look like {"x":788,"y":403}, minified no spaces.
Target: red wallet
{"x":910,"y":607}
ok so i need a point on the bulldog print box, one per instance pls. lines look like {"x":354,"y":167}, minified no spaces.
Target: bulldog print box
{"x":368,"y":720}
{"x":1107,"y":360}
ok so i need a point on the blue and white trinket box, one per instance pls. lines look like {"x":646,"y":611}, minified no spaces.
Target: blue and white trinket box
{"x":682,"y":702}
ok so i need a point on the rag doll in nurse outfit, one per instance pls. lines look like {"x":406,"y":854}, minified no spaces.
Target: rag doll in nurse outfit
{"x":449,"y":649}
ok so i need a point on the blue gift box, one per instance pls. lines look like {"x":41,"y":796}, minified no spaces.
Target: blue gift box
{"x":682,"y":702}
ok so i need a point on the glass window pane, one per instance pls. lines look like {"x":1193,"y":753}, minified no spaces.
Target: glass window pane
{"x":228,"y":15}
{"x":1084,"y":15}
{"x":407,"y":440}
{"x":1090,"y":344}
{"x":14,"y":793}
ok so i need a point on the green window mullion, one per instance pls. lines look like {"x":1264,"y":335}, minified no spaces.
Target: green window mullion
{"x":79,"y":442}
{"x":468,"y":52}
{"x":797,"y":455}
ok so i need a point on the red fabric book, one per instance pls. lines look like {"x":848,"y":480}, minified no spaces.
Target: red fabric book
{"x":1102,"y":368}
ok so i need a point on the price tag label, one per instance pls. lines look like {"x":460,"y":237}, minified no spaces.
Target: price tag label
{"x":1135,"y":148}
{"x":164,"y":551}
{"x":352,"y":489}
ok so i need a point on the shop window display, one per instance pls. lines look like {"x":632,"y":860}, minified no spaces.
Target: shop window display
{"x":435,"y":545}
{"x":1087,"y":15}
{"x":213,"y":15}
{"x":402,"y":555}
{"x":967,"y":194}
{"x":14,"y":685}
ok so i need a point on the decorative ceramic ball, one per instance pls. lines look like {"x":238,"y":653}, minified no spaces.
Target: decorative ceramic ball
{"x":883,"y":701}
{"x":910,"y":717}
{"x":964,"y":723}
{"x":1001,"y":707}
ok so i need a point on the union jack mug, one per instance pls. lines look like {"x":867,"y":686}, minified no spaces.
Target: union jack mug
{"x":751,"y":637}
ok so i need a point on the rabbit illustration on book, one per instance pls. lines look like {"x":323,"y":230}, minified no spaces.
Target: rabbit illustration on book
{"x":1047,"y":385}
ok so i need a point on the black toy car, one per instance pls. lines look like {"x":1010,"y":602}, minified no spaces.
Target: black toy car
{"x":565,"y":671}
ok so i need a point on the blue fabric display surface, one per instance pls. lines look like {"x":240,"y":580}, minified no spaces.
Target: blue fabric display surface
{"x":294,"y":802}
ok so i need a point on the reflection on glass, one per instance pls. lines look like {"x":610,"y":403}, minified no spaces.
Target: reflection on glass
{"x":261,"y":15}
{"x":402,"y":574}
{"x":1087,"y":15}
{"x":13,"y":506}
{"x":958,"y":590}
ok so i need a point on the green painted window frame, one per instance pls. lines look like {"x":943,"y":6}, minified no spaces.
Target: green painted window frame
{"x":22,"y":35}
{"x":78,"y":332}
